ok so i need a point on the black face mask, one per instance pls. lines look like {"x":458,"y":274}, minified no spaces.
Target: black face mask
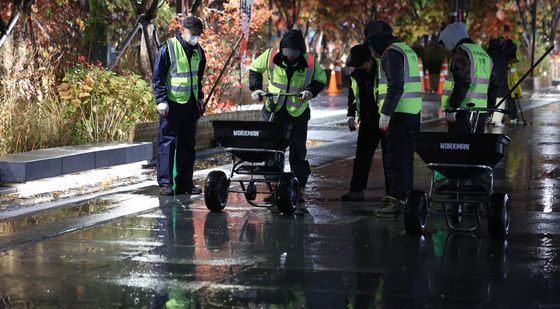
{"x":360,"y":70}
{"x":379,"y":43}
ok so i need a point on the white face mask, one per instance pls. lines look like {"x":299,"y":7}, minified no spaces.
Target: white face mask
{"x":191,"y":39}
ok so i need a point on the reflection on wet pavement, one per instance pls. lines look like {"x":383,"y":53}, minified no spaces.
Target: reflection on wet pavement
{"x":176,"y":254}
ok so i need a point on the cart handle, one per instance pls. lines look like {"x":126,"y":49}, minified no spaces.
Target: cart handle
{"x":478,"y":109}
{"x":280,"y":94}
{"x":274,"y":97}
{"x":474,"y":113}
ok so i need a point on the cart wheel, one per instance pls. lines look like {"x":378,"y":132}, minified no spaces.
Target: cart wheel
{"x":216,"y":191}
{"x":251,"y":192}
{"x":498,"y":215}
{"x":415,"y":212}
{"x":287,"y":193}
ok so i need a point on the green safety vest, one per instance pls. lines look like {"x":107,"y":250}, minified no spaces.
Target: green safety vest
{"x":481,"y":67}
{"x":278,"y":83}
{"x":182,"y":77}
{"x":411,"y":99}
{"x":356,"y":92}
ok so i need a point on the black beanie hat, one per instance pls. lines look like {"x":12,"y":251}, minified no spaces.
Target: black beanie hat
{"x":359,"y":54}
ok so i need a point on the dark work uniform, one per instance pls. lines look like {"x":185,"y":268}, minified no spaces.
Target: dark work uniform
{"x":460,"y":68}
{"x":369,"y":135}
{"x":397,"y":143}
{"x":298,"y":138}
{"x":177,"y":131}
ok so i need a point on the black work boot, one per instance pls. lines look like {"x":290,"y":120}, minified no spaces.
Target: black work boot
{"x":194,"y":190}
{"x":392,"y":207}
{"x":301,"y":198}
{"x":353,"y":196}
{"x":165,"y":190}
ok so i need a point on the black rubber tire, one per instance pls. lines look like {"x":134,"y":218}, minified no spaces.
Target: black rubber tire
{"x":287,"y":193}
{"x":415,"y":212}
{"x":498,"y":215}
{"x":216,"y":191}
{"x":251,"y":192}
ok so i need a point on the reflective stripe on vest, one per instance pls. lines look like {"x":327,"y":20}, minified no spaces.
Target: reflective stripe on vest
{"x":278,"y":83}
{"x":356,"y":92}
{"x":480,"y":70}
{"x":411,"y":99}
{"x":182,"y":77}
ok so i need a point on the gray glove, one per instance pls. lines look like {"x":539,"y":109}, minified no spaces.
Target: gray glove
{"x":163,"y":109}
{"x":384,"y":122}
{"x":257,"y":95}
{"x":451,"y":116}
{"x":351,"y":123}
{"x":201,"y":107}
{"x":306,"y":95}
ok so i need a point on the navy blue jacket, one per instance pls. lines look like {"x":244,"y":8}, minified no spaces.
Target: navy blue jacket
{"x":161,"y":68}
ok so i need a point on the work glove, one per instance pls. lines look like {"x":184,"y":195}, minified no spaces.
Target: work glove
{"x":201,"y":107}
{"x":450,"y":116}
{"x":306,"y":95}
{"x":489,"y":117}
{"x":163,"y":109}
{"x":257,"y":95}
{"x":351,"y":123}
{"x":384,"y":122}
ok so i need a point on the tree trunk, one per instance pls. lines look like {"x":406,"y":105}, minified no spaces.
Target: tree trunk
{"x":147,"y":50}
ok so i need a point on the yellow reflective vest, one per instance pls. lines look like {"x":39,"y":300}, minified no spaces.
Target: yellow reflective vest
{"x":182,"y":77}
{"x":278,"y":80}
{"x":481,"y":68}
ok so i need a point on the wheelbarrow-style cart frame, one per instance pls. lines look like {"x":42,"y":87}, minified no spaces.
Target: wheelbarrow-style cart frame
{"x":257,"y":149}
{"x":462,"y":180}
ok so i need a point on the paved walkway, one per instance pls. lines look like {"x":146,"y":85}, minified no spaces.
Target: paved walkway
{"x":326,"y":111}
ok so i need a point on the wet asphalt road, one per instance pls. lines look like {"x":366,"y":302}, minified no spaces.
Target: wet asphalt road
{"x":137,"y":250}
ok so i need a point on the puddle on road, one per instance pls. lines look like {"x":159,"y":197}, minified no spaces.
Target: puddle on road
{"x":89,"y":208}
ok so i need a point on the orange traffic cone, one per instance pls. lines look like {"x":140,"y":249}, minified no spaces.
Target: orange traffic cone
{"x":427,"y":81}
{"x":333,"y":89}
{"x":442,"y":76}
{"x":421,"y":69}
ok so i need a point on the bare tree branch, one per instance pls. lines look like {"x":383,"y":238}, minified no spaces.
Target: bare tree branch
{"x":283,"y":10}
{"x":14,"y":17}
{"x":195,"y":6}
{"x":521,"y":9}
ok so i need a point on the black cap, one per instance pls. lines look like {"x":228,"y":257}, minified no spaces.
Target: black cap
{"x":194,"y":25}
{"x":377,"y":28}
{"x":359,"y":54}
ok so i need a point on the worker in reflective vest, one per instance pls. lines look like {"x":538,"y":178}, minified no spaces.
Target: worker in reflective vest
{"x":177,"y":81}
{"x":513,"y":106}
{"x":470,"y":80}
{"x":400,"y":103}
{"x":362,"y":110}
{"x":290,"y":69}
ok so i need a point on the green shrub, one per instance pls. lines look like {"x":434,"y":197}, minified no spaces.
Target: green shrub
{"x":104,"y":105}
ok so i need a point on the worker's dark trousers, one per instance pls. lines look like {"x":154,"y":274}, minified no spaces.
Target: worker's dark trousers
{"x":462,"y":123}
{"x":298,"y":148}
{"x":368,"y":139}
{"x":398,"y":154}
{"x":298,"y":152}
{"x":176,"y":146}
{"x":511,"y":104}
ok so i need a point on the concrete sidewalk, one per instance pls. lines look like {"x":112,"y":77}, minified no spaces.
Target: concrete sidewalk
{"x":327,"y":111}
